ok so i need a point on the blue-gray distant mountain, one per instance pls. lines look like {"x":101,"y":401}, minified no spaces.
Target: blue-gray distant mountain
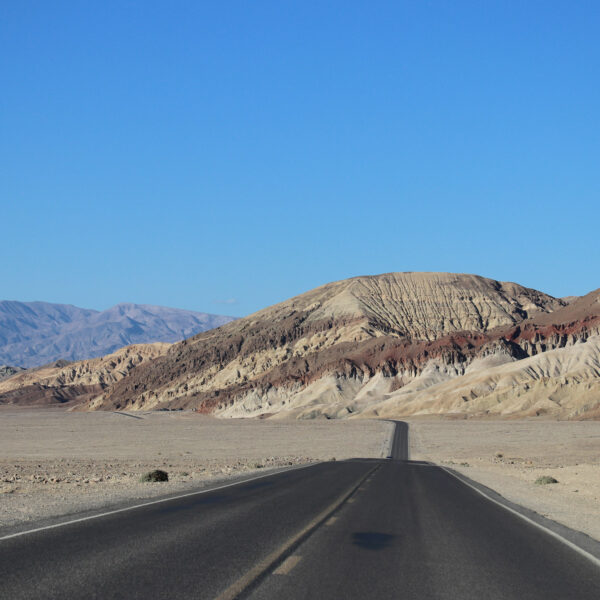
{"x":37,"y":333}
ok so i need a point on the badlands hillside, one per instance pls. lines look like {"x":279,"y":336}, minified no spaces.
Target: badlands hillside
{"x":37,"y":333}
{"x":63,"y":382}
{"x":388,"y":345}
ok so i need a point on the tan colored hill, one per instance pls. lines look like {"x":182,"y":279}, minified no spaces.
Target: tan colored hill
{"x":353,"y":328}
{"x":77,"y":381}
{"x":419,"y":306}
{"x":547,"y":365}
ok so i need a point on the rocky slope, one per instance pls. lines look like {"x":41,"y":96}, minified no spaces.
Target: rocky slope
{"x":62,"y":383}
{"x":37,"y":333}
{"x":396,"y":379}
{"x":7,"y":371}
{"x":381,"y":346}
{"x":563,"y":382}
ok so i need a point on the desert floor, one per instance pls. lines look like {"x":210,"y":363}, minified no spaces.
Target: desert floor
{"x":55,"y":463}
{"x":508,"y":456}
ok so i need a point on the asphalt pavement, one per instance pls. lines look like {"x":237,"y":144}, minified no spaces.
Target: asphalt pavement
{"x":399,"y":449}
{"x":349,"y":529}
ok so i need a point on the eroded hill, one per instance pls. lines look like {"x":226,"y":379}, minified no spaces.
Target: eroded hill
{"x":75,"y":382}
{"x":351,"y":330}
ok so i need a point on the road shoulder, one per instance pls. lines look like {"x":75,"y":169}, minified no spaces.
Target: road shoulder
{"x":588,"y":545}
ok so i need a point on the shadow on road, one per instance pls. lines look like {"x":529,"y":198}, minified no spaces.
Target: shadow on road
{"x":372,"y":540}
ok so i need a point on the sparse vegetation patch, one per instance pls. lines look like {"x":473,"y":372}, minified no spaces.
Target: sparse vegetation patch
{"x":545,"y":480}
{"x":156,"y":475}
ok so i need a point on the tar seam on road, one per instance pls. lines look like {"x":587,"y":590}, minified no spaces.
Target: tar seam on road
{"x":551,"y":533}
{"x":259,"y":570}
{"x":120,"y":510}
{"x":124,"y":414}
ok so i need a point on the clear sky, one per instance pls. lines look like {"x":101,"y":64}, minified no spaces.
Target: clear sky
{"x":225,"y":156}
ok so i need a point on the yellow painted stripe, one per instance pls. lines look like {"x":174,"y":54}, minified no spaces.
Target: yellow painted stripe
{"x":287,"y":565}
{"x":236,"y":588}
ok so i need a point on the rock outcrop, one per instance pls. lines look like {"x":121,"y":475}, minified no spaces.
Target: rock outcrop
{"x":7,"y":371}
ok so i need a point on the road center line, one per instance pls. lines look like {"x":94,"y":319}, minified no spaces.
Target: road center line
{"x":236,"y":588}
{"x":287,"y":565}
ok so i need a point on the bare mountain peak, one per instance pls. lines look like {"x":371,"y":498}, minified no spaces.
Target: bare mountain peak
{"x":418,"y":305}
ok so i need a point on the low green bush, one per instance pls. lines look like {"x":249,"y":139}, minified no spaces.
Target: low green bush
{"x":545,"y":479}
{"x":156,"y":475}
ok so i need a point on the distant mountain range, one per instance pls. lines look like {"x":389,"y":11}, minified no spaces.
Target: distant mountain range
{"x":38,"y":333}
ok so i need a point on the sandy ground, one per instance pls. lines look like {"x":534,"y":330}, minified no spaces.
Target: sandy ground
{"x":508,"y":456}
{"x":55,"y":463}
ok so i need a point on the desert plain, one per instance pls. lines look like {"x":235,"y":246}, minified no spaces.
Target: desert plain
{"x":55,"y":463}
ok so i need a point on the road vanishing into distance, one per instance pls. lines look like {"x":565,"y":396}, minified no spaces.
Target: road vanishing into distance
{"x":349,"y":529}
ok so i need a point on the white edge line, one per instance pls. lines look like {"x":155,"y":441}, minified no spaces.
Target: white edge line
{"x":551,"y":533}
{"x":160,"y":501}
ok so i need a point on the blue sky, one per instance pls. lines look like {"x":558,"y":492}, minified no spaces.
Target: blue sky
{"x":225,"y":156}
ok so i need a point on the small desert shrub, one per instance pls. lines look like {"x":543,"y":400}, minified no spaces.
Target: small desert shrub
{"x":545,"y":479}
{"x":184,"y":474}
{"x":156,"y":475}
{"x":499,"y":455}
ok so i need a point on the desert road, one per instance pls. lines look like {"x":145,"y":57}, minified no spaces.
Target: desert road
{"x":350,"y":529}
